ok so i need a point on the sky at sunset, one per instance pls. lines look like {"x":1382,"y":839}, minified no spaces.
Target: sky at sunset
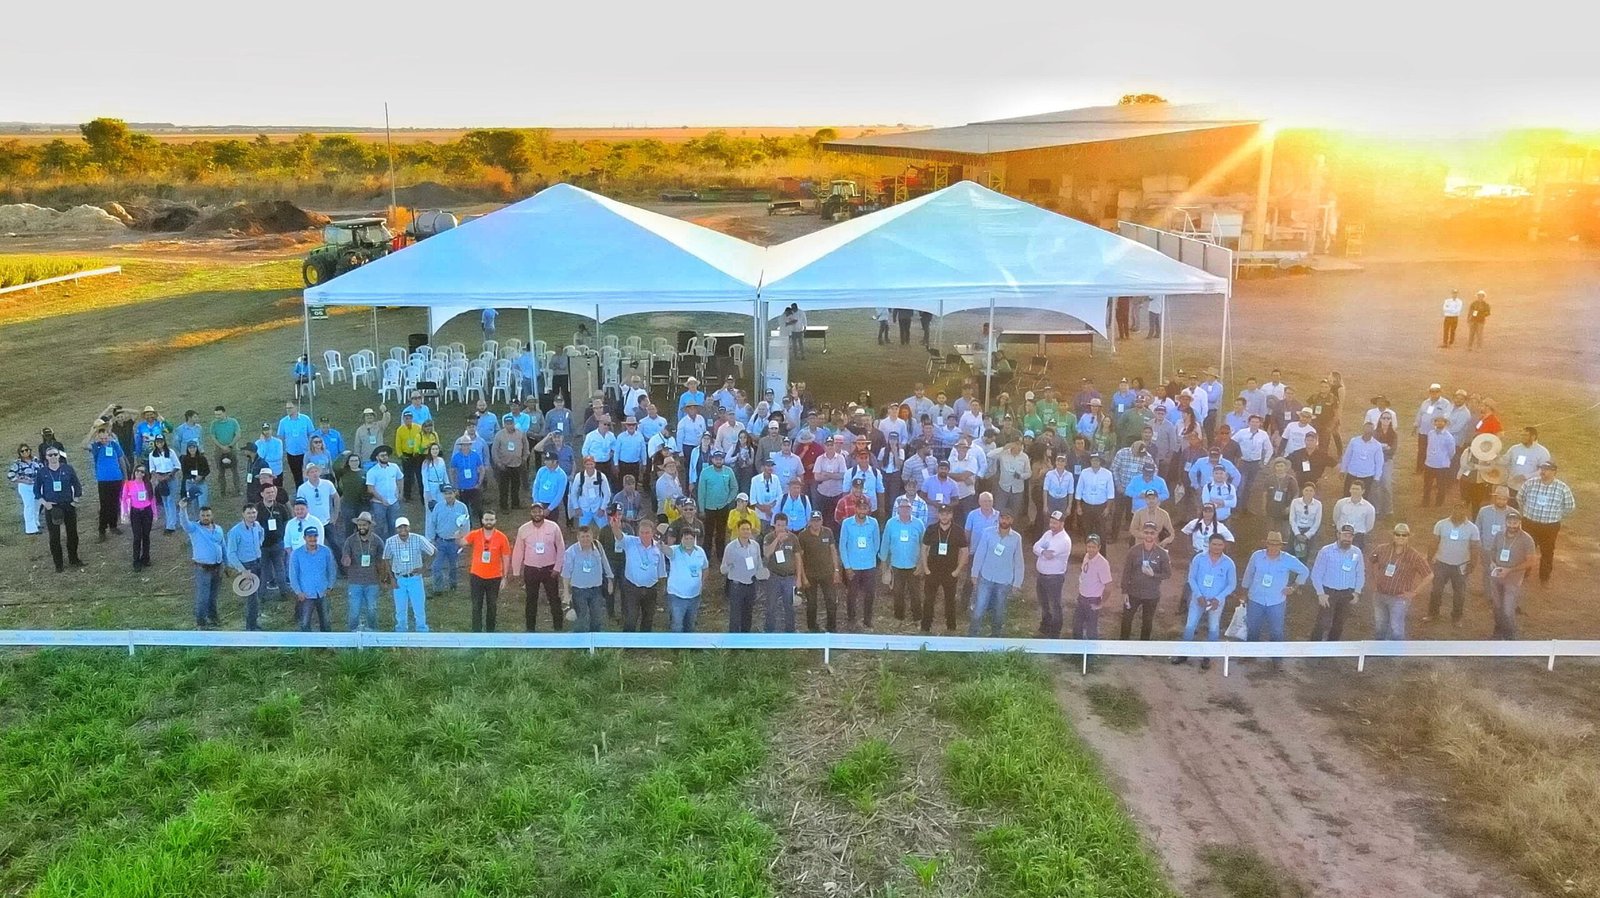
{"x":1394,"y":67}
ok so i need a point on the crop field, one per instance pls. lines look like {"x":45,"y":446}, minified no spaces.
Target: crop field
{"x":17,"y":270}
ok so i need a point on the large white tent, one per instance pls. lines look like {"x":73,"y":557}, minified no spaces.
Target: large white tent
{"x":565,"y":250}
{"x":968,"y":247}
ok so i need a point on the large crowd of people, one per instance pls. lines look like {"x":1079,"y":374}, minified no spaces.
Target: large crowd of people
{"x":638,"y":511}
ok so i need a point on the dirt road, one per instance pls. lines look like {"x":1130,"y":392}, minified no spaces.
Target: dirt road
{"x":1242,"y":761}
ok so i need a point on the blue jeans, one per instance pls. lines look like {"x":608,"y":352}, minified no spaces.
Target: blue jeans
{"x":169,"y":505}
{"x":1389,"y":616}
{"x":780,"y":604}
{"x":303,"y":611}
{"x":361,"y":612}
{"x":445,"y":561}
{"x":588,"y":603}
{"x":207,"y":580}
{"x":408,"y":594}
{"x":1248,"y":471}
{"x":199,"y":496}
{"x":252,"y":602}
{"x":683,"y":612}
{"x":1197,"y":607}
{"x":989,"y":596}
{"x":1258,"y":616}
{"x":274,"y":570}
{"x":383,"y":518}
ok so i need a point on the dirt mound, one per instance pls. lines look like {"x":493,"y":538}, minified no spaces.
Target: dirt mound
{"x":258,"y":218}
{"x":26,"y":218}
{"x":116,"y":211}
{"x":426,"y":195}
{"x":160,"y":215}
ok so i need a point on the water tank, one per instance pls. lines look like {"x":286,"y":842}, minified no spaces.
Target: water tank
{"x":436,"y":221}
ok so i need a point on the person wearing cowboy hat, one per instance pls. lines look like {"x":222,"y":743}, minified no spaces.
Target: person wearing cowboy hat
{"x":1477,"y":317}
{"x":1269,"y":576}
{"x":1399,"y":573}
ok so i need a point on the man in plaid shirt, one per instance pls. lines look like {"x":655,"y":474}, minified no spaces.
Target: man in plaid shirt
{"x":1545,"y":503}
{"x":1126,"y":465}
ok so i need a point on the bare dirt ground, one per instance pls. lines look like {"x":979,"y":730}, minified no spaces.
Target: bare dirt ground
{"x":1242,"y":761}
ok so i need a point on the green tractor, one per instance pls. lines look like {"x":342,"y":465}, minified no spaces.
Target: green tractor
{"x":345,"y":245}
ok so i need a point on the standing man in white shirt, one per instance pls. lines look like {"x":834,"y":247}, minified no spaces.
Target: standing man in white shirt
{"x":1452,"y":318}
{"x":1255,"y":449}
{"x":1094,"y":491}
{"x":1432,"y":407}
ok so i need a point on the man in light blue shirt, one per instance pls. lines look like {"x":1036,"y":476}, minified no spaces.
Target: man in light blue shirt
{"x":295,"y":430}
{"x":1200,"y":470}
{"x":692,"y":396}
{"x":686,"y":573}
{"x":1255,"y":398}
{"x":644,"y":565}
{"x":550,"y":485}
{"x":996,"y":572}
{"x":1212,"y":578}
{"x":270,"y":450}
{"x":559,"y":418}
{"x":982,"y":519}
{"x":187,"y":432}
{"x":243,"y":553}
{"x":860,"y":540}
{"x":1147,"y":479}
{"x":1439,"y":462}
{"x":1363,"y":458}
{"x":448,"y":521}
{"x":208,"y":550}
{"x":527,"y":368}
{"x":587,"y":570}
{"x":1338,"y":574}
{"x":902,"y":548}
{"x":1268,"y":577}
{"x":311,"y":576}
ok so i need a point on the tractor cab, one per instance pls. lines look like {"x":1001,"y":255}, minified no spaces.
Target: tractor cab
{"x":346,"y":245}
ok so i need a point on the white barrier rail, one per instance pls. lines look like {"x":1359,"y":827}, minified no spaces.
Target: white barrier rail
{"x":62,"y":278}
{"x":827,"y":643}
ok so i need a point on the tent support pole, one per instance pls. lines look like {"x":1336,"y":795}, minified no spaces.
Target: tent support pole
{"x":310,"y":392}
{"x":988,"y":357}
{"x":530,"y":329}
{"x":758,"y":337}
{"x":376,"y":352}
{"x":1111,"y":323}
{"x":1222,"y":365}
{"x":1161,"y":366}
{"x":941,"y":325}
{"x":599,"y":346}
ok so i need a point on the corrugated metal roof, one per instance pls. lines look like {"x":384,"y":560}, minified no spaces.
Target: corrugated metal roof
{"x":1051,"y":129}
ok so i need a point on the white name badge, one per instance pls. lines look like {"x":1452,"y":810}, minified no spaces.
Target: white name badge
{"x":779,"y":556}
{"x":1494,"y":529}
{"x":749,"y":563}
{"x":1277,"y":495}
{"x":143,"y":496}
{"x":937,"y":497}
{"x":112,"y":452}
{"x":511,"y":445}
{"x":538,"y":548}
{"x":1521,"y":459}
{"x":466,"y":473}
{"x":588,"y":567}
{"x":999,"y":551}
{"x":861,"y":542}
{"x":366,"y":561}
{"x":1455,"y":534}
{"x":484,"y":557}
{"x":1208,"y":581}
{"x":372,"y":438}
{"x":561,"y":425}
{"x":272,"y":523}
{"x":905,"y":537}
{"x":1266,"y":581}
{"x":1305,"y":466}
{"x":1317,"y":410}
{"x":56,"y":485}
{"x":1347,"y":566}
{"x":1144,"y":566}
{"x":944,"y":548}
{"x":1505,"y":554}
{"x":1119,"y":408}
{"x":405,"y":556}
{"x":1388,"y":570}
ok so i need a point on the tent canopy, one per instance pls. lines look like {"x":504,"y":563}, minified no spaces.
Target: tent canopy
{"x":563,"y":249}
{"x":963,"y":246}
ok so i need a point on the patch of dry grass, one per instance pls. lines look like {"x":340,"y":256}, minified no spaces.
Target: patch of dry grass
{"x":1522,"y":777}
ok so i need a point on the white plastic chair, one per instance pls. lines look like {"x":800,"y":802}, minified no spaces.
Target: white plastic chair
{"x":455,"y":384}
{"x":333,"y":366}
{"x":392,"y":384}
{"x":399,"y":353}
{"x":661,"y":346}
{"x":361,"y":371}
{"x":514,"y":345}
{"x":476,"y":378}
{"x":736,"y":352}
{"x":635,"y":343}
{"x":502,"y":385}
{"x":492,"y":347}
{"x":610,"y":341}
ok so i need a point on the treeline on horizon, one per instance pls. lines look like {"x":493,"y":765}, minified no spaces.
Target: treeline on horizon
{"x":489,"y":163}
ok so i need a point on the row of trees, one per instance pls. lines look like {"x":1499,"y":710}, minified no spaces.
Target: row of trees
{"x":110,"y":149}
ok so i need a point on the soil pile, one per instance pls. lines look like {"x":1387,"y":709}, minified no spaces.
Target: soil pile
{"x":426,"y":195}
{"x":26,"y":218}
{"x":259,"y":218}
{"x":161,"y":215}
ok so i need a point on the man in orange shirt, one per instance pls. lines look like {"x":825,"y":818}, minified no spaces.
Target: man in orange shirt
{"x":536,"y":555}
{"x":489,"y":569}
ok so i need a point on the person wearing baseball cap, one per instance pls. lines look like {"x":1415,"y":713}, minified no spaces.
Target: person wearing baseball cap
{"x":1435,"y":405}
{"x":1053,"y":551}
{"x":1146,"y":566}
{"x":1269,"y":577}
{"x":404,"y":557}
{"x":1338,"y":575}
{"x":1399,"y":574}
{"x":311,"y":577}
{"x":1545,"y":502}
